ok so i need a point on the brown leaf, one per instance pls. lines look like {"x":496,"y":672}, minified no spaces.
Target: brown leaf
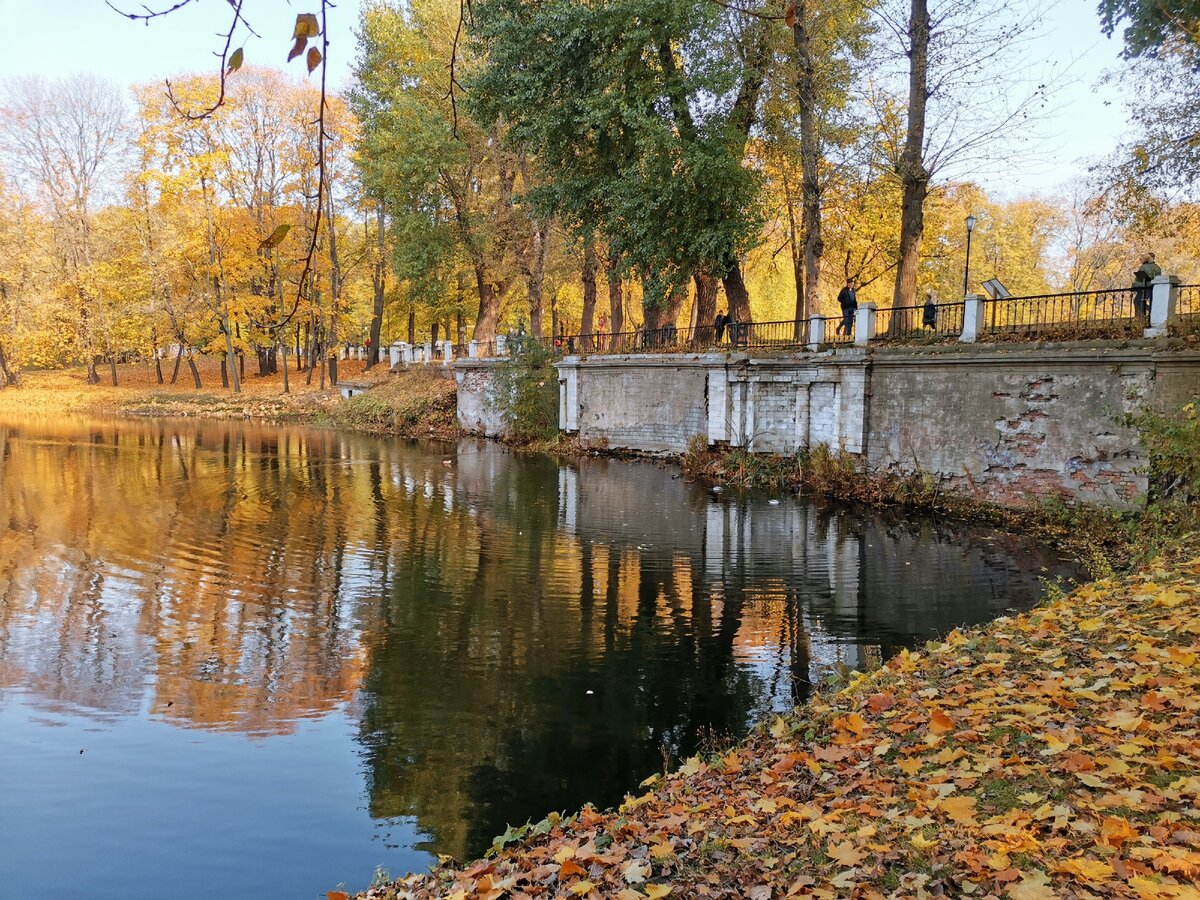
{"x":297,"y":48}
{"x":940,"y":723}
{"x":306,"y":26}
{"x":313,"y":59}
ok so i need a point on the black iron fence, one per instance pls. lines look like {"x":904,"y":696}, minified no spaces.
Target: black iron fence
{"x":1114,"y":313}
{"x":1187,"y":310}
{"x":929,"y":321}
{"x":1119,"y":313}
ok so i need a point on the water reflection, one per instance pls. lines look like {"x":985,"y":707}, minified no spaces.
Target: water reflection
{"x":503,"y":635}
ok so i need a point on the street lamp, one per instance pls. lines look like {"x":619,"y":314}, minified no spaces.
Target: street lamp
{"x":967,"y":271}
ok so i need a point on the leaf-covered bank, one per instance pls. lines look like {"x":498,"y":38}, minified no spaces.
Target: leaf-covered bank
{"x":1054,"y":754}
{"x":417,"y":402}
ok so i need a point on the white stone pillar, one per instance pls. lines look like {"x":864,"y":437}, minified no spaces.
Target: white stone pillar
{"x":427,"y":356}
{"x":972,"y":318}
{"x":718,"y":405}
{"x":816,"y":332}
{"x":394,"y":355}
{"x":341,"y":352}
{"x":864,"y":323}
{"x":473,"y":349}
{"x":501,"y":343}
{"x":1164,"y":298}
{"x":447,"y":352}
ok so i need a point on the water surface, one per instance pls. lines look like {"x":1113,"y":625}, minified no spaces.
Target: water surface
{"x":245,"y":660}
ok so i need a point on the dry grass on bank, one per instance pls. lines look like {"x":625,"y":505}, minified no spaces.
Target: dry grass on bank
{"x":1051,"y":755}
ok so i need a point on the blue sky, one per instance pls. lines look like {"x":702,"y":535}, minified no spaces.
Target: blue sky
{"x":53,"y":37}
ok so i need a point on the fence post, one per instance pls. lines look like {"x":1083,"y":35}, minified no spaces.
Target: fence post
{"x":394,"y":355}
{"x":864,"y":323}
{"x":972,"y":318}
{"x":1164,"y":298}
{"x":501,"y":344}
{"x":447,"y":352}
{"x":816,"y":332}
{"x":473,"y":349}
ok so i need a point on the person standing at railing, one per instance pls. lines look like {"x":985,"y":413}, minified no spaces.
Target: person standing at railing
{"x":929,"y":312}
{"x":848,"y":301}
{"x":719,"y":327}
{"x":1142,"y":278}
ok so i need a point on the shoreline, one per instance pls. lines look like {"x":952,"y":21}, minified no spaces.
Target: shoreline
{"x":1051,"y":754}
{"x":419,"y":403}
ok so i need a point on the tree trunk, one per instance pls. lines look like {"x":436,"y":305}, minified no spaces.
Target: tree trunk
{"x":379,"y":279}
{"x":706,"y":309}
{"x":10,"y":375}
{"x":412,"y":325}
{"x":658,"y":318}
{"x":224,"y":372}
{"x":913,"y":175}
{"x":112,"y":368}
{"x":335,"y":288}
{"x":195,"y":372}
{"x":434,"y":334}
{"x":535,"y":277}
{"x":229,"y":355}
{"x":93,"y":377}
{"x":158,"y":367}
{"x":178,"y":360}
{"x":287,"y":387}
{"x":462,"y":330}
{"x":803,"y":309}
{"x":489,"y":307}
{"x":590,"y":265}
{"x":616,"y":303}
{"x":739,"y":297}
{"x":810,"y":161}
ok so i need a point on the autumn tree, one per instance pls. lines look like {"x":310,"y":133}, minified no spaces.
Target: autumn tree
{"x":971,"y":95}
{"x":63,"y":139}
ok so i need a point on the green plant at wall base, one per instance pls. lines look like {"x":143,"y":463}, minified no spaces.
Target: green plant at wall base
{"x":1172,"y":441}
{"x":526,"y":390}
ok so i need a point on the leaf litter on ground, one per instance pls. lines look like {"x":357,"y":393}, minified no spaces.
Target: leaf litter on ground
{"x":1054,"y":754}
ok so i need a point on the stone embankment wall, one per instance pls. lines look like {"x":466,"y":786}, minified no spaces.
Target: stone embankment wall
{"x":1006,"y":423}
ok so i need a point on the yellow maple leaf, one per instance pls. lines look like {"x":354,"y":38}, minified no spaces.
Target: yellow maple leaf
{"x":655,"y":891}
{"x":582,"y":888}
{"x":961,"y":809}
{"x":1034,"y":886}
{"x":846,"y":854}
{"x":1087,"y":869}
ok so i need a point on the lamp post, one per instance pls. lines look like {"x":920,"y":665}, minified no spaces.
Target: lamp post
{"x":967,"y":270}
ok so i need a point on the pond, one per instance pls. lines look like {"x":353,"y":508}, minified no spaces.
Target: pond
{"x":267,"y":660}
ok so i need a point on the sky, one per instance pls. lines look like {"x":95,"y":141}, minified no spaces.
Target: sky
{"x":55,"y":37}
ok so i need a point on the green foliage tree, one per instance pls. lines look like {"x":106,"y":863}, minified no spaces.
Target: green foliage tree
{"x":1151,"y":25}
{"x":637,"y":114}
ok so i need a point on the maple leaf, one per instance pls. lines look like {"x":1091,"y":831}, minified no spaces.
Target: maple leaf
{"x":1034,"y":886}
{"x":961,"y":809}
{"x":636,"y":872}
{"x":846,"y":854}
{"x":940,"y":723}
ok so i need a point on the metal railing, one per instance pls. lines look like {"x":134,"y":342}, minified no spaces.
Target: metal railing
{"x":1187,"y":311}
{"x":1086,"y":314}
{"x":1120,"y":313}
{"x":932,"y":321}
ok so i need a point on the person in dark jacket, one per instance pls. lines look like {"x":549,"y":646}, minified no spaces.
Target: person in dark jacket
{"x":929,"y":312}
{"x":848,"y":301}
{"x":719,"y":327}
{"x":1142,"y":279}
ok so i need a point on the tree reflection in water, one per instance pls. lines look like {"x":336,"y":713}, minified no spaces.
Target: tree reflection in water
{"x":511,"y":634}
